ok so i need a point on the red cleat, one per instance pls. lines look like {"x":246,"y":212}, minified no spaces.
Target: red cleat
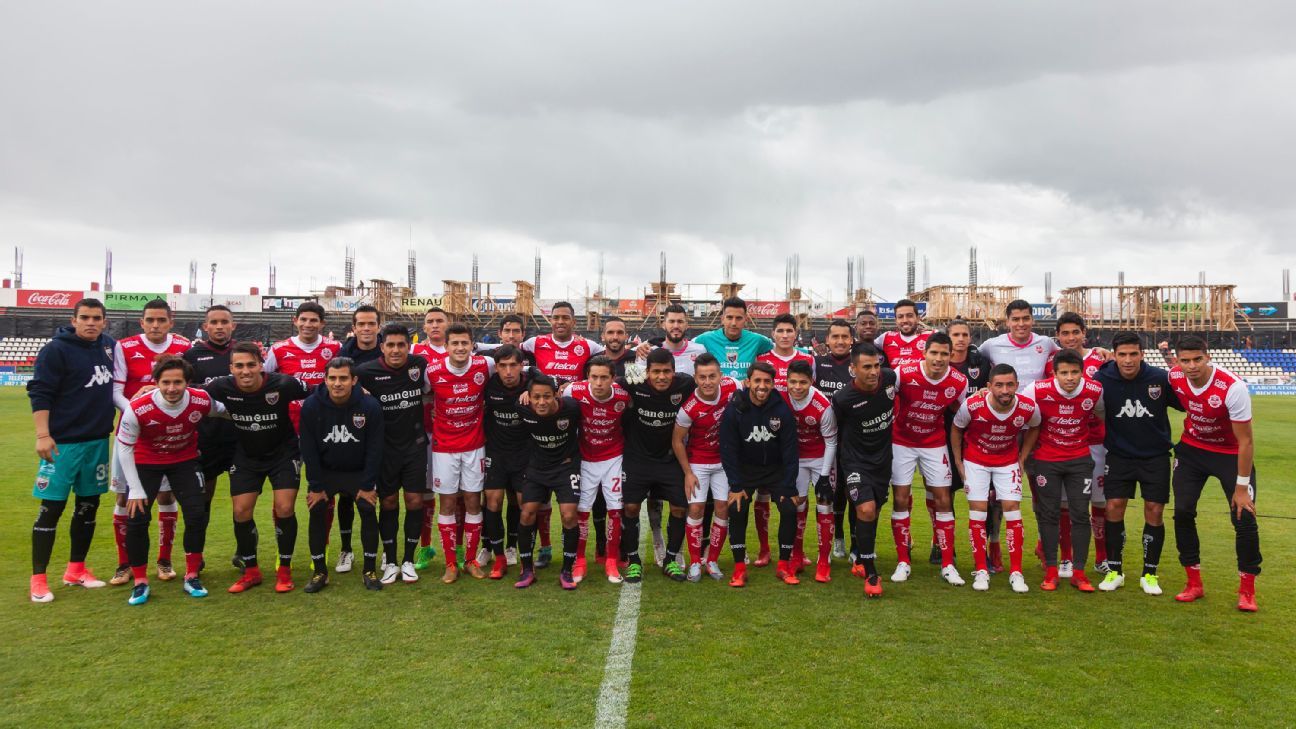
{"x":739,"y":576}
{"x":823,"y":572}
{"x":250,"y":578}
{"x":1050,"y":582}
{"x":873,"y":587}
{"x":1194,"y":590}
{"x":499,"y":567}
{"x":1081,"y":582}
{"x":1246,"y":593}
{"x":283,"y":580}
{"x":762,"y":559}
{"x":578,"y":570}
{"x":858,"y":570}
{"x":785,"y":573}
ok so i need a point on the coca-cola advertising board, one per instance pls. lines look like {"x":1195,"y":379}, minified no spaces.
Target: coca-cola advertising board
{"x":766,"y":309}
{"x":47,"y":298}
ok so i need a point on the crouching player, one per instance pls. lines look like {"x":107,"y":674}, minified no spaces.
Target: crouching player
{"x":554,"y":425}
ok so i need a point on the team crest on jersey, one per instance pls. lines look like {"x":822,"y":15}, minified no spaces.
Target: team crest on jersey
{"x":731,"y":356}
{"x":578,"y":350}
{"x":810,"y":420}
{"x":272,"y":398}
{"x":413,"y":374}
{"x":1041,"y":481}
{"x":1154,"y":392}
{"x":1214,"y":401}
{"x":775,"y":424}
{"x":890,"y":392}
{"x":1086,"y":404}
{"x":326,"y":354}
{"x":974,"y":372}
{"x":108,"y":352}
{"x":563,"y":423}
{"x":1019,"y":421}
{"x":950,"y":392}
{"x":479,"y":378}
{"x":619,"y":407}
{"x":358,"y":420}
{"x":675,"y":399}
{"x":922,"y":344}
{"x":195,"y":416}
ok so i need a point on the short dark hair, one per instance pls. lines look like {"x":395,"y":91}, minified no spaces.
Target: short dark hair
{"x":1121,"y":339}
{"x":543,"y":381}
{"x":436,"y":310}
{"x":508,"y":351}
{"x":800,"y":367}
{"x":172,"y":362}
{"x":706,"y":359}
{"x":784,"y":319}
{"x":158,"y":304}
{"x":89,"y":303}
{"x":611,"y":319}
{"x":251,"y":349}
{"x":1016,"y":305}
{"x":733,"y":302}
{"x":660,"y":355}
{"x":940,"y":338}
{"x":1003,"y":368}
{"x":512,"y":319}
{"x":865,"y":349}
{"x":759,"y":366}
{"x":600,"y":361}
{"x":675,"y":309}
{"x":218,"y":307}
{"x":338,"y":363}
{"x":310,"y":307}
{"x":839,"y":322}
{"x":562,"y":305}
{"x":959,"y":322}
{"x":393,"y":329}
{"x":902,"y":303}
{"x":865,"y":312}
{"x":1070,"y":317}
{"x":1068,"y":356}
{"x":458,"y":328}
{"x":1191,"y":343}
{"x":366,"y":309}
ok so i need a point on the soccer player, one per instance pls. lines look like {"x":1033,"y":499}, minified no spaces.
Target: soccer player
{"x":924,"y":391}
{"x":1068,"y":403}
{"x":865,"y":411}
{"x":832,"y":373}
{"x":651,"y":470}
{"x":603,"y":404}
{"x":735,"y":347}
{"x":905,"y":344}
{"x":758,"y":447}
{"x":994,"y":430}
{"x":399,"y":381}
{"x":866,"y":327}
{"x":615,"y":337}
{"x":1028,"y":352}
{"x":133,"y":361}
{"x":435,"y":322}
{"x":71,"y":393}
{"x":696,"y":444}
{"x":363,"y":345}
{"x":210,"y":358}
{"x":1071,"y":334}
{"x":265,"y":449}
{"x":306,"y":355}
{"x":553,"y":424}
{"x":966,"y":358}
{"x":433,"y":347}
{"x":1216,"y":442}
{"x":817,"y":449}
{"x":342,"y":447}
{"x":507,"y":449}
{"x":458,"y":385}
{"x":1136,"y":399}
{"x":158,"y":439}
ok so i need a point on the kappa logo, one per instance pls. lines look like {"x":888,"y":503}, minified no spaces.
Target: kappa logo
{"x":101,"y":376}
{"x":340,"y":434}
{"x":1133,"y":409}
{"x":760,"y":434}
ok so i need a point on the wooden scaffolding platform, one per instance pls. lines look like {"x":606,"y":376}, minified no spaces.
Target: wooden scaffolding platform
{"x":974,"y":303}
{"x":1175,"y":307}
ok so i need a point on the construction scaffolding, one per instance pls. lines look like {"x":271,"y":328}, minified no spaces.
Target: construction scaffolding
{"x":973,"y":303}
{"x":1177,"y":307}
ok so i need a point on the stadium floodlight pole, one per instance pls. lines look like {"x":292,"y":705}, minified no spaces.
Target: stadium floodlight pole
{"x":212,"y":293}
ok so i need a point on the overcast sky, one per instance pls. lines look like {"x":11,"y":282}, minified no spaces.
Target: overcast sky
{"x":1077,"y":138}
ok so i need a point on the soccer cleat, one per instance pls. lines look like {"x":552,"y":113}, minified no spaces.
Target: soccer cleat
{"x":1246,"y":593}
{"x":612,"y":571}
{"x":371,"y":581}
{"x":543,"y":559}
{"x":345,"y":559}
{"x":805,"y":562}
{"x":762,"y":559}
{"x":84,"y":578}
{"x":659,"y":550}
{"x":981,"y":580}
{"x":390,"y":574}
{"x":40,"y":591}
{"x":695,"y":572}
{"x":873,"y":586}
{"x":1080,"y":581}
{"x":510,"y":555}
{"x":839,"y":548}
{"x":121,"y":576}
{"x":857,"y":570}
{"x":786,"y":573}
{"x":1101,"y":567}
{"x":1050,"y":582}
{"x":739,"y":578}
{"x":139,"y":594}
{"x":409,"y":572}
{"x":194,"y":587}
{"x":237,"y":561}
{"x":673,"y":570}
{"x":565,"y":580}
{"x":935,"y":556}
{"x":474,"y":569}
{"x":823,"y":572}
{"x":423,"y":557}
{"x":951,"y":575}
{"x":901,"y":573}
{"x":1065,"y":569}
{"x":578,"y":571}
{"x":1194,"y":590}
{"x":283,"y":579}
{"x":483,"y":556}
{"x":1111,"y":582}
{"x":1017,"y":581}
{"x":634,"y":573}
{"x":526,"y":579}
{"x":250,"y":578}
{"x":165,"y":571}
{"x":499,"y":568}
{"x":318,"y":581}
{"x":450,"y":576}
{"x":1150,"y":585}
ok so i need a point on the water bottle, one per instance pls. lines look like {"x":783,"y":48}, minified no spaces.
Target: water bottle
{"x":44,"y":474}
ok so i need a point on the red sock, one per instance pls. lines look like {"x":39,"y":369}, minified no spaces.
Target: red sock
{"x":900,"y":532}
{"x":1064,"y":534}
{"x":977,"y":532}
{"x":614,"y":534}
{"x":140,"y":573}
{"x":945,"y":538}
{"x":429,"y":518}
{"x":1014,"y":535}
{"x":166,"y":534}
{"x":1098,"y":521}
{"x":543,"y":520}
{"x":826,"y":529}
{"x":448,"y":528}
{"x":472,"y":529}
{"x":719,"y":530}
{"x":193,"y":562}
{"x":693,"y":532}
{"x":996,"y":557}
{"x":582,"y":533}
{"x":762,"y":512}
{"x":119,"y":534}
{"x":798,"y":547}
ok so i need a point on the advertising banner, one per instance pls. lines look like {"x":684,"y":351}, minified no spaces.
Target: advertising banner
{"x":345,"y":303}
{"x":1047,"y":312}
{"x":47,"y":298}
{"x":493,"y":305}
{"x":129,"y":300}
{"x":767,"y":309}
{"x":420,"y":304}
{"x":283,"y":303}
{"x":886,"y":310}
{"x":1261,"y":309}
{"x":200,"y":302}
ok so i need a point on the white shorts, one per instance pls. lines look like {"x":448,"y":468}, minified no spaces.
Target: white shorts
{"x":1096,"y":495}
{"x":933,"y":463}
{"x":455,"y":472}
{"x":807,"y":474}
{"x":118,"y":483}
{"x":1007,"y":482}
{"x":606,"y":474}
{"x":713,"y":483}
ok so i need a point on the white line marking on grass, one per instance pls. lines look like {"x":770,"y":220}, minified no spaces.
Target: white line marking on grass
{"x":614,"y":694}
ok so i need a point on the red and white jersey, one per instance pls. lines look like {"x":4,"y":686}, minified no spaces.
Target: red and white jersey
{"x":921,"y":404}
{"x":458,"y":400}
{"x":601,"y":435}
{"x":304,"y":362}
{"x":1066,"y":418}
{"x":134,"y":356}
{"x":1212,"y":410}
{"x":901,"y":350}
{"x":1091,"y":364}
{"x":1029,"y":358}
{"x":563,"y":361}
{"x":702,"y":419}
{"x":163,"y":434}
{"x":780,"y":365}
{"x":816,"y":427}
{"x":990,"y":438}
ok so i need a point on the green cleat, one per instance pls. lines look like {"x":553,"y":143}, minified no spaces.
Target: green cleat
{"x":634,"y":573}
{"x":672,"y":570}
{"x":423,"y":557}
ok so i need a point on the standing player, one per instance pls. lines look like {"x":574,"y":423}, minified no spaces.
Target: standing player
{"x":615,"y":338}
{"x":905,"y":344}
{"x":1068,"y":403}
{"x":433,"y":346}
{"x":866,"y":327}
{"x":1216,"y":442}
{"x":966,"y":358}
{"x":399,"y":381}
{"x":989,"y":451}
{"x":924,"y":391}
{"x":363,"y":345}
{"x":507,"y":449}
{"x":306,"y":355}
{"x":696,"y":443}
{"x":1028,"y":353}
{"x":133,"y":361}
{"x":1071,"y":334}
{"x":435,"y":322}
{"x":158,"y":439}
{"x":817,"y":449}
{"x":342,"y":447}
{"x":210,"y":358}
{"x":602,"y":444}
{"x":553,"y":470}
{"x":651,"y":470}
{"x":735,"y":347}
{"x":832,"y":373}
{"x":265,"y":449}
{"x":865,"y":410}
{"x":758,"y":446}
{"x":1136,"y":398}
{"x":71,"y":397}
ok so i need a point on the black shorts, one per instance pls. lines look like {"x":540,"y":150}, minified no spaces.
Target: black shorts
{"x":1150,"y":475}
{"x":865,"y":482}
{"x":1194,"y":466}
{"x":247,"y":474}
{"x":406,"y":470}
{"x":563,"y":485}
{"x":184,"y":478}
{"x":501,"y":473}
{"x":768,"y":479}
{"x":215,"y":459}
{"x":649,"y":480}
{"x":343,"y":482}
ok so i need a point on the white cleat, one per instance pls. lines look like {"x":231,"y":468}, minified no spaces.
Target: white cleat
{"x":1150,"y":585}
{"x":713,"y":571}
{"x":510,"y":556}
{"x":950,"y":574}
{"x":407,"y":572}
{"x":839,"y":549}
{"x":390,"y":573}
{"x":1018,"y":582}
{"x":483,"y":556}
{"x":695,"y":572}
{"x":901,"y":573}
{"x":1112,"y":582}
{"x":981,"y":580}
{"x":344,"y":561}
{"x":1101,"y":567}
{"x":1065,"y":569}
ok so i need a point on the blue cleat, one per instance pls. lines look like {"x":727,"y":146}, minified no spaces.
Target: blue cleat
{"x":194,"y":587}
{"x":139,"y":594}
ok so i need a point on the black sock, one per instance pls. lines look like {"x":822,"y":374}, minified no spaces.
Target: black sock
{"x":526,"y":545}
{"x":82,"y":527}
{"x":738,"y":516}
{"x":137,"y":535}
{"x":866,"y":546}
{"x":368,"y":535}
{"x":570,"y":539}
{"x":388,"y":522}
{"x":1153,"y":541}
{"x":493,"y":531}
{"x":286,"y":538}
{"x":599,"y":518}
{"x":43,"y":533}
{"x":512,"y":513}
{"x":630,"y":539}
{"x":413,"y":529}
{"x":346,"y":507}
{"x":674,"y":537}
{"x":245,"y":542}
{"x":1115,"y":545}
{"x":787,"y":528}
{"x":317,"y":529}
